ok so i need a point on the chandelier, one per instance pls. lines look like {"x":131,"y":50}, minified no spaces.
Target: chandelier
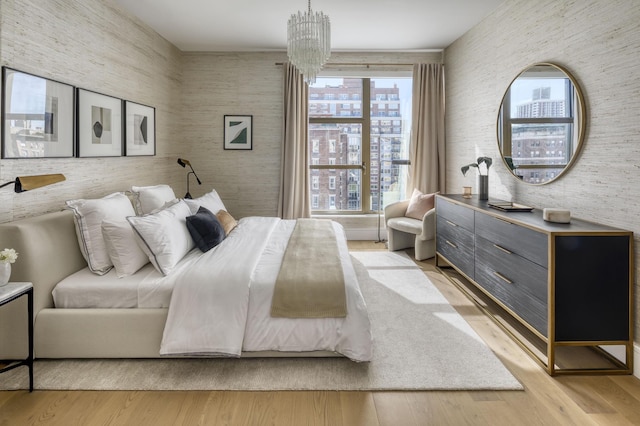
{"x":309,"y":42}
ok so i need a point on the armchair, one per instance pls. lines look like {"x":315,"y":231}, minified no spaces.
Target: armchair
{"x":404,"y":232}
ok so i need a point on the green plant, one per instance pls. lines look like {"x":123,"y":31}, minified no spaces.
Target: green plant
{"x":486,"y":160}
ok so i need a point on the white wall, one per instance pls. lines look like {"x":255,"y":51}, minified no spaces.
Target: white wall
{"x":599,"y":43}
{"x":95,"y":45}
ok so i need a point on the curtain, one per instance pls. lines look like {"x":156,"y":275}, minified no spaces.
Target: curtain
{"x":294,"y":195}
{"x":427,"y":151}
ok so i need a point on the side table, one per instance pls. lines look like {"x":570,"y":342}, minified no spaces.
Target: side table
{"x":9,"y":293}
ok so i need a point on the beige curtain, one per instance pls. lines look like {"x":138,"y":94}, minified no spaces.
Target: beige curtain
{"x":427,"y":151}
{"x":294,"y":196}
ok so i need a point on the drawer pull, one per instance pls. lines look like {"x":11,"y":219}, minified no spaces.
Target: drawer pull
{"x":502,"y":277}
{"x":502,"y":249}
{"x":451,"y":223}
{"x":504,"y":220}
{"x":451,"y":244}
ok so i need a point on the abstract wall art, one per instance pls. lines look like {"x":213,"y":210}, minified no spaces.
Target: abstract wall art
{"x":140,"y":129}
{"x":99,"y":122}
{"x":37,"y":116}
{"x":238,"y":132}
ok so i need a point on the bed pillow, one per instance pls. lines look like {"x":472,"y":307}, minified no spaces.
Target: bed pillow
{"x":125,"y":253}
{"x":164,"y":236}
{"x":210,"y":201}
{"x":227,"y":221}
{"x":88,"y":216}
{"x":420,"y":204}
{"x":146,"y":199}
{"x":205,"y":229}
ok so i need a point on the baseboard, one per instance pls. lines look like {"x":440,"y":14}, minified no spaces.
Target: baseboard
{"x":365,"y":234}
{"x":620,"y":353}
{"x":636,"y":355}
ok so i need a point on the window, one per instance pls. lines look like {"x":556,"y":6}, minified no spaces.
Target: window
{"x":332,"y":162}
{"x":332,"y":182}
{"x":355,"y":172}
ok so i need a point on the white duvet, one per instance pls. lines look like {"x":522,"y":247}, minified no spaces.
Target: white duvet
{"x":221,"y":300}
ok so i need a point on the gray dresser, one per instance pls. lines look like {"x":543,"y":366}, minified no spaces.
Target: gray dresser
{"x":570,"y":284}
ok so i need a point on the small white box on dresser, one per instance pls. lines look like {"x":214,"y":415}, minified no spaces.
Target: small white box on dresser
{"x":556,"y":215}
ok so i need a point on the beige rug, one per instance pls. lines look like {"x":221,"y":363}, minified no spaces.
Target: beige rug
{"x":420,"y":343}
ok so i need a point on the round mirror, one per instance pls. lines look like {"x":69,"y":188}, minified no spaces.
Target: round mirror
{"x":541,"y":123}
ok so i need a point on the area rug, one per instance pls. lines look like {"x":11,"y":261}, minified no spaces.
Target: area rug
{"x":420,"y":343}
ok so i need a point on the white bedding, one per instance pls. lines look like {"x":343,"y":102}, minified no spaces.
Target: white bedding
{"x":221,"y":299}
{"x":348,"y":336}
{"x":84,"y":289}
{"x":147,"y":288}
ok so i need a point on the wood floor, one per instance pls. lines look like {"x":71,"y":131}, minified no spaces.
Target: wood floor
{"x":565,"y":400}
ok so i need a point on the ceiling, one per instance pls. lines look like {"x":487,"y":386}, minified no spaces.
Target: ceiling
{"x":356,"y":25}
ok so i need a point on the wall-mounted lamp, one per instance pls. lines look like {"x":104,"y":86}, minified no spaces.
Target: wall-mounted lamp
{"x":27,"y":183}
{"x":185,"y":163}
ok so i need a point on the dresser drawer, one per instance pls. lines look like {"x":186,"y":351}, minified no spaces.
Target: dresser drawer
{"x":456,"y":244}
{"x":530,"y":244}
{"x":455,"y":214}
{"x":518,"y":283}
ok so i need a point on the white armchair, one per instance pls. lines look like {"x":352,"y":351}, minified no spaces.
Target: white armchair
{"x":404,"y":232}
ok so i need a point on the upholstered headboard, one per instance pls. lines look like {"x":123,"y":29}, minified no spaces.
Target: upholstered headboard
{"x":48,"y":251}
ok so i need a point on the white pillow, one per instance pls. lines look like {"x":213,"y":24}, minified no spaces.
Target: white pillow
{"x":88,"y":217}
{"x":210,"y":201}
{"x":125,"y":253}
{"x":146,"y":199}
{"x":164,"y":236}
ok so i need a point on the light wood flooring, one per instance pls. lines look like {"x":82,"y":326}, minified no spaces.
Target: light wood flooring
{"x":564,"y":400}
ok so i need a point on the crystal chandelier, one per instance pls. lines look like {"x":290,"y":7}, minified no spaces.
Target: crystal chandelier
{"x":309,"y":42}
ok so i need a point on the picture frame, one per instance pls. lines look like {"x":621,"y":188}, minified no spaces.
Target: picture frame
{"x":37,"y":116}
{"x":238,"y":132}
{"x":140,"y":129}
{"x":99,"y":125}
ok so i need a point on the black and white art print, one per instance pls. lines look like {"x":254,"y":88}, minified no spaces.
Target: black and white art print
{"x":99,"y":123}
{"x":37,"y":116}
{"x":238,"y":132}
{"x":140,"y":129}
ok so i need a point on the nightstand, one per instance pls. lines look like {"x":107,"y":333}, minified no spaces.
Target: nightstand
{"x":9,"y":293}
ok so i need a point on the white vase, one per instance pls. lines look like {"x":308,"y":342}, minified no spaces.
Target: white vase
{"x":5,"y":273}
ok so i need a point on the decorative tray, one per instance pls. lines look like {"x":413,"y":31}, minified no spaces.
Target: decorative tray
{"x":508,"y":206}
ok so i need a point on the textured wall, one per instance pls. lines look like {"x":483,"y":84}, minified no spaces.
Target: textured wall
{"x":215,"y":84}
{"x":95,"y":45}
{"x":222,"y":84}
{"x":599,"y":42}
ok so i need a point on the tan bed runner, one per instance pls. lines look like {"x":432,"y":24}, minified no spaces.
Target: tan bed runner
{"x":310,"y":283}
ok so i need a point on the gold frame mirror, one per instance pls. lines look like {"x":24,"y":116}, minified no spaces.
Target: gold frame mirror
{"x":541,"y":123}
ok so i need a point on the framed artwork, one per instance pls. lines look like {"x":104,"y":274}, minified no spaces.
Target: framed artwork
{"x":140,"y":129}
{"x":99,"y":121}
{"x":238,"y":132}
{"x":37,"y":116}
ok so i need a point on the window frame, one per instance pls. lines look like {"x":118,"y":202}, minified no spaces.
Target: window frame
{"x":362,"y":115}
{"x":364,"y":120}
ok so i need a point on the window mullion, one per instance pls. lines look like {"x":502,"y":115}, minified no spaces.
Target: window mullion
{"x":366,"y":145}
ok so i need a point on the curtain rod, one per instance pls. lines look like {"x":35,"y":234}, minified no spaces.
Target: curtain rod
{"x":339,"y":64}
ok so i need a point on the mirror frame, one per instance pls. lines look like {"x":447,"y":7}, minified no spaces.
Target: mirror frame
{"x":580,"y":110}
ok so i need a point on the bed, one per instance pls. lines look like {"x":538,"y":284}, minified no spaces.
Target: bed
{"x":81,"y":314}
